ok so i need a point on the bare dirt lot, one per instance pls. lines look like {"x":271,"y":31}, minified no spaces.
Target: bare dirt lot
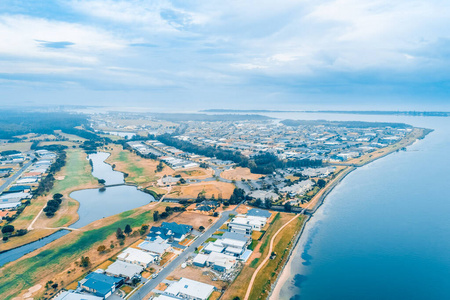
{"x":239,"y":173}
{"x":210,"y":188}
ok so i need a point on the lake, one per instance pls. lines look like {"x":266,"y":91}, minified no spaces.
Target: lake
{"x":384,"y":231}
{"x":94,"y":204}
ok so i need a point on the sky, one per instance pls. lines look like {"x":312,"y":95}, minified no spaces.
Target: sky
{"x":188,"y":55}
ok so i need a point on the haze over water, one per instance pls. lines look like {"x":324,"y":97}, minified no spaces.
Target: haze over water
{"x":383,"y":232}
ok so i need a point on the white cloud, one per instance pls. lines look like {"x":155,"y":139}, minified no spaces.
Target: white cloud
{"x":21,"y":35}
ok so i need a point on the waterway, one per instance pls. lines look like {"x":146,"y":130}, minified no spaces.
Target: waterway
{"x":384,"y":231}
{"x":95,"y":204}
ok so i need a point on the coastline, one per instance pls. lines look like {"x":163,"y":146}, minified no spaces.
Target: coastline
{"x":285,"y":274}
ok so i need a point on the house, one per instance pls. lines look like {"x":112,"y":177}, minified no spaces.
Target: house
{"x":5,"y":172}
{"x":170,"y":231}
{"x":19,"y":188}
{"x":242,"y":228}
{"x":190,"y":289}
{"x":245,"y":224}
{"x":254,"y":212}
{"x":221,"y":262}
{"x":200,"y":260}
{"x":156,"y":245}
{"x":73,"y":295}
{"x":100,"y":285}
{"x":137,"y":257}
{"x":123,"y":269}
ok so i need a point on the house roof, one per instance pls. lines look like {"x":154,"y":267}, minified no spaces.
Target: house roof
{"x":192,"y":288}
{"x":235,"y":236}
{"x":259,"y":213}
{"x":121,"y":268}
{"x":157,"y":245}
{"x":136,"y":255}
{"x":101,"y":283}
{"x":169,"y":229}
{"x":72,"y":295}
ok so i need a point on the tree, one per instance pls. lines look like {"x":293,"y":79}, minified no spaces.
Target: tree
{"x":201,"y":228}
{"x":321,"y":183}
{"x":57,"y":196}
{"x":164,"y":215}
{"x":119,"y":234}
{"x":168,"y":209}
{"x":287,"y":206}
{"x":8,"y":229}
{"x":85,"y":261}
{"x":55,"y":286}
{"x":215,"y":214}
{"x":159,"y":167}
{"x":128,"y":229}
{"x":258,"y":202}
{"x":155,"y":216}
{"x":267,"y":203}
{"x":143,"y":229}
{"x":101,"y":248}
{"x":101,"y":181}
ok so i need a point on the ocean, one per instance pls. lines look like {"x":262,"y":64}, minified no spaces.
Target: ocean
{"x":384,"y":231}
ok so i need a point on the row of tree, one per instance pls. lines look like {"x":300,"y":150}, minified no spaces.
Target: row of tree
{"x":53,"y":205}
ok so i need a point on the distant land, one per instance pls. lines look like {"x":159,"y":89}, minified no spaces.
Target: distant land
{"x":358,"y":112}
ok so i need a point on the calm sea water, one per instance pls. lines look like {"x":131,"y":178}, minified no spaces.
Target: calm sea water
{"x":384,"y":232}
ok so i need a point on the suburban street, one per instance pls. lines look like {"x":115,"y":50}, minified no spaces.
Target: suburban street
{"x":153,"y":283}
{"x":12,"y":178}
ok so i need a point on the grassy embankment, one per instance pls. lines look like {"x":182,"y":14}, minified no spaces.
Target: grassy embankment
{"x":57,"y":260}
{"x":75,"y":175}
{"x":141,"y":171}
{"x":268,"y":274}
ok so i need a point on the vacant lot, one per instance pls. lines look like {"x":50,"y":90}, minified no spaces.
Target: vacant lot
{"x":141,"y":171}
{"x":195,"y":173}
{"x":191,"y":218}
{"x":196,"y":273}
{"x":239,"y":173}
{"x":210,"y":188}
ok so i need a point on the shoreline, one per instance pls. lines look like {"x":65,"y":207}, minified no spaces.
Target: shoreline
{"x":283,"y":277}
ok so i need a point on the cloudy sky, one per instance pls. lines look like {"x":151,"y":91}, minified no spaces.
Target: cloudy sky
{"x":337,"y":54}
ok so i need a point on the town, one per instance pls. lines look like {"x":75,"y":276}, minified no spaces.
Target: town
{"x":205,"y":201}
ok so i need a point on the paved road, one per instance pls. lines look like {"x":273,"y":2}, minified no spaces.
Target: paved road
{"x":15,"y":176}
{"x":153,"y":283}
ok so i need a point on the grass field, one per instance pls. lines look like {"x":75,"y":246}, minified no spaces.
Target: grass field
{"x":22,"y":146}
{"x":76,"y":174}
{"x":197,"y":173}
{"x":210,"y":187}
{"x":281,"y":246}
{"x":141,"y":171}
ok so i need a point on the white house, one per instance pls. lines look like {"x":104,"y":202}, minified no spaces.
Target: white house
{"x":190,"y":289}
{"x":137,"y":257}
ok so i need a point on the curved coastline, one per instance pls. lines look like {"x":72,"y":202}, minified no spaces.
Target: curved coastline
{"x":284,"y":275}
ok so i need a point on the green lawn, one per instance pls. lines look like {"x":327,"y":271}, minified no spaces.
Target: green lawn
{"x":77,"y":170}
